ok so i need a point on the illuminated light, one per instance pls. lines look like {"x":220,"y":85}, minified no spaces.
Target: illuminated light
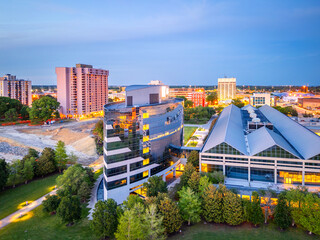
{"x":204,"y":167}
{"x":146,"y":150}
{"x":246,"y":197}
{"x":145,"y":138}
{"x":146,"y":161}
{"x":21,"y":217}
{"x":145,"y":173}
{"x":24,"y":204}
{"x":145,"y":115}
{"x":146,"y":127}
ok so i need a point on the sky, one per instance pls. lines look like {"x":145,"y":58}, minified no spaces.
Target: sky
{"x":179,"y":42}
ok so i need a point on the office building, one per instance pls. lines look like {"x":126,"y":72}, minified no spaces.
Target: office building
{"x":309,"y":103}
{"x":82,"y":90}
{"x":261,"y":145}
{"x":15,"y":88}
{"x":226,"y":89}
{"x":138,"y":133}
{"x":260,"y":99}
{"x":196,"y":95}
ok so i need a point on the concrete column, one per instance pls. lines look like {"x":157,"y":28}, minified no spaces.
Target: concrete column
{"x":249,"y":171}
{"x":275,"y":176}
{"x":164,"y":177}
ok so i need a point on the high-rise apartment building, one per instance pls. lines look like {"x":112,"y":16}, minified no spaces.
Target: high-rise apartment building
{"x":226,"y":88}
{"x":82,"y":90}
{"x":196,"y":95}
{"x":138,"y":136}
{"x":15,"y":88}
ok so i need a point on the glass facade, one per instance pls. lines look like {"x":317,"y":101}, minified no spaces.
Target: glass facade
{"x":312,"y":178}
{"x":224,"y":149}
{"x":289,"y":177}
{"x":275,"y":151}
{"x":237,"y":172}
{"x":265,"y":175}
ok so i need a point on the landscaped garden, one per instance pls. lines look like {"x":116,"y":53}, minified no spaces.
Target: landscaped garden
{"x":188,"y":131}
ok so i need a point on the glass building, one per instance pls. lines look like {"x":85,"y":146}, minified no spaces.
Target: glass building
{"x":261,"y":145}
{"x":138,"y":133}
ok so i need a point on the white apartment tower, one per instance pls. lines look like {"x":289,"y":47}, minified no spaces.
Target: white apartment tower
{"x":226,"y":88}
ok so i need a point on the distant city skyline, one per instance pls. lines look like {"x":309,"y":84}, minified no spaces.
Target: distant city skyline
{"x":177,"y":42}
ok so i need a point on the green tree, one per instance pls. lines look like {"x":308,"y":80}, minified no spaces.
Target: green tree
{"x":296,"y":198}
{"x":232,"y":212}
{"x":194,"y":158}
{"x":190,"y":205}
{"x":282,"y":216}
{"x":84,"y":191}
{"x":7,"y":103}
{"x":172,"y":220}
{"x":61,"y":156}
{"x":182,"y":97}
{"x":27,"y":171}
{"x":256,"y":215}
{"x":131,"y":201}
{"x":69,"y":209}
{"x":212,"y":98}
{"x":194,"y":182}
{"x":131,"y":224}
{"x":237,"y":102}
{"x":204,"y":183}
{"x":24,"y":112}
{"x":46,"y":162}
{"x":105,"y":219}
{"x":14,"y":173}
{"x":153,"y":224}
{"x":213,"y":204}
{"x":11,"y":115}
{"x":268,"y":207}
{"x":215,"y":177}
{"x":44,"y":108}
{"x":155,"y":185}
{"x":188,"y":170}
{"x":310,"y":213}
{"x":4,"y":173}
{"x":98,"y":129}
{"x":188,"y":104}
{"x":51,"y":204}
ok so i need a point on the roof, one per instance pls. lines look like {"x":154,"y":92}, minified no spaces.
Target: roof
{"x":302,"y":139}
{"x":287,"y":134}
{"x":228,"y":129}
{"x":136,"y":87}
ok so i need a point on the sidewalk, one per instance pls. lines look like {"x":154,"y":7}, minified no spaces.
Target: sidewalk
{"x":15,"y":216}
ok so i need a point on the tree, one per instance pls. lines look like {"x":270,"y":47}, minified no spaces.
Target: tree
{"x":282,"y":216}
{"x":69,"y":209}
{"x":296,"y":198}
{"x":131,"y":224}
{"x":98,"y":129}
{"x":213,"y":204}
{"x":256,"y":215}
{"x":46,"y":162}
{"x":14,"y":173}
{"x":27,"y":172}
{"x":72,"y":158}
{"x":155,"y":185}
{"x":153,"y":224}
{"x":24,"y":112}
{"x":237,"y":102}
{"x":51,"y":204}
{"x":105,"y":218}
{"x":61,"y":156}
{"x":310,"y":213}
{"x":232,"y":212}
{"x":194,"y":182}
{"x":204,"y":183}
{"x":212,"y":98}
{"x":194,"y":158}
{"x":268,"y":207}
{"x":7,"y":103}
{"x":189,"y":205}
{"x":4,"y":173}
{"x":188,"y":104}
{"x":44,"y":108}
{"x":84,"y":191}
{"x":172,"y":220}
{"x":188,"y":170}
{"x":182,"y":97}
{"x":11,"y":115}
{"x":215,"y":177}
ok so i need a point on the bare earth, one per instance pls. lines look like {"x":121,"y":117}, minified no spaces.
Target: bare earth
{"x":15,"y":140}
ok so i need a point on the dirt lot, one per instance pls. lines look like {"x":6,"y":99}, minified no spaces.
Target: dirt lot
{"x":15,"y":140}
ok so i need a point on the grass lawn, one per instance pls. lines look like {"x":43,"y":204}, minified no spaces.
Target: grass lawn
{"x":43,"y":226}
{"x":12,"y":198}
{"x":202,"y":231}
{"x":187,"y":133}
{"x":192,"y":144}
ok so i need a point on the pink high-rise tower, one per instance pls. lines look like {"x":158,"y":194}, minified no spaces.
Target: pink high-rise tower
{"x":82,"y":90}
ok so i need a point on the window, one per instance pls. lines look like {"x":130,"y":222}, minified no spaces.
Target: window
{"x":145,"y":115}
{"x":146,"y":173}
{"x":146,"y":150}
{"x":146,"y":127}
{"x":154,"y":98}
{"x":146,"y":161}
{"x":129,"y":100}
{"x":145,"y":138}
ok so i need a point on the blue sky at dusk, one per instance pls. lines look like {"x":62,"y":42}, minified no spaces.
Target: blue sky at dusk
{"x":178,"y":42}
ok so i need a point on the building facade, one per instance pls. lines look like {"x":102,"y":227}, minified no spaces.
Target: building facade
{"x":261,"y":145}
{"x":15,"y":88}
{"x":260,"y":99}
{"x":196,"y":95}
{"x":309,"y":103}
{"x":138,"y":133}
{"x":226,"y":89}
{"x":82,"y":90}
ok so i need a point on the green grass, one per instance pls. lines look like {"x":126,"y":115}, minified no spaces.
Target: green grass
{"x":43,"y":226}
{"x":187,"y":133}
{"x":11,"y":198}
{"x":244,"y":232}
{"x":192,"y":144}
